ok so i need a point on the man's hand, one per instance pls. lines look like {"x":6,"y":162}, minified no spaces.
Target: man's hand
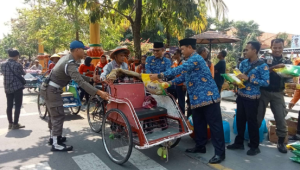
{"x":290,"y":86}
{"x":276,"y":66}
{"x":96,"y":78}
{"x":153,"y":77}
{"x":103,"y":95}
{"x":279,"y":66}
{"x":242,"y":77}
{"x":291,"y":105}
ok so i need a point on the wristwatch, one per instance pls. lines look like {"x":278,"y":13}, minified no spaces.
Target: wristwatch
{"x":160,"y":76}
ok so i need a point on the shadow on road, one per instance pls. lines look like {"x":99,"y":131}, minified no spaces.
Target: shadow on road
{"x":20,"y":133}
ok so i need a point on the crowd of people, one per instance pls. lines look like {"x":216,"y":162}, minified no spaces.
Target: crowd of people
{"x":190,"y":74}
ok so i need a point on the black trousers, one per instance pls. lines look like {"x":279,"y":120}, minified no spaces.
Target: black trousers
{"x":17,"y":96}
{"x":181,"y":98}
{"x":247,"y":110}
{"x":83,"y":93}
{"x":210,"y":115}
{"x":189,"y":111}
{"x":298,"y":126}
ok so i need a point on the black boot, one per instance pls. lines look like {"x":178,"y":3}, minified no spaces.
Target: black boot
{"x":281,"y":146}
{"x":60,"y":140}
{"x":295,"y":137}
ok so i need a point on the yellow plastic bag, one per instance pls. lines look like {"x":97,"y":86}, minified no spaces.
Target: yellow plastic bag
{"x":233,"y":79}
{"x":154,"y":87}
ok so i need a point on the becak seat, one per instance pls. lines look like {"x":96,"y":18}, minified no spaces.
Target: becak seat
{"x":135,"y":93}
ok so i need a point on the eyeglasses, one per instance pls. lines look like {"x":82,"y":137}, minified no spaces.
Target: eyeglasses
{"x":156,"y":51}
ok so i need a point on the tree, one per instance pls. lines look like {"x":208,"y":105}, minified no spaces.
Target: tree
{"x":246,"y":31}
{"x":137,"y":12}
{"x":286,"y":39}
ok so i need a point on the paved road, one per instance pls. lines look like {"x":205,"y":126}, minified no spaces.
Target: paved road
{"x":28,"y":149}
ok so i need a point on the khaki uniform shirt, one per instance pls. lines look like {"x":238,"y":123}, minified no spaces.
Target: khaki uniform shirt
{"x":60,"y":77}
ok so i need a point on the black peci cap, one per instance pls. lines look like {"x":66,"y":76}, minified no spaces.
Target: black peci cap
{"x":158,"y":45}
{"x":187,"y":41}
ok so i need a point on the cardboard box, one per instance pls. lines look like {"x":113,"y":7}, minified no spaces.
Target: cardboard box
{"x":292,"y":125}
{"x":272,"y":132}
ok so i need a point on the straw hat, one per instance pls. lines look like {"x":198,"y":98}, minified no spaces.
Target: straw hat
{"x":112,"y":55}
{"x":54,"y":56}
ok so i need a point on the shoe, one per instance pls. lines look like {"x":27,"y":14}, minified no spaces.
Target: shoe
{"x":217,"y":159}
{"x":17,"y":126}
{"x":10,"y":126}
{"x":60,"y":140}
{"x":253,"y":151}
{"x":295,"y":137}
{"x":61,"y":148}
{"x":235,"y":146}
{"x":281,"y":146}
{"x":196,"y":150}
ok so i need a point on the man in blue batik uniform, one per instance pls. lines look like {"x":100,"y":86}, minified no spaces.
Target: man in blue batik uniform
{"x":255,"y":75}
{"x":158,"y":63}
{"x":204,"y":99}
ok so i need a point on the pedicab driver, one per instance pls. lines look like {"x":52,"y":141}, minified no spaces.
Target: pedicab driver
{"x":118,"y":61}
{"x":62,"y":73}
{"x":204,"y":96}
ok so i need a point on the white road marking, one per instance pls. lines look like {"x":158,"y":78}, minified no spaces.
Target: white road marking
{"x":90,"y":161}
{"x":39,"y":166}
{"x":3,"y":131}
{"x":21,"y":115}
{"x":141,"y":161}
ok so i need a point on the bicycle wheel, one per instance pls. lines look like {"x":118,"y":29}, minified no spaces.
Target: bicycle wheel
{"x":117,"y":136}
{"x":75,"y":110}
{"x":95,"y":113}
{"x":42,"y":107}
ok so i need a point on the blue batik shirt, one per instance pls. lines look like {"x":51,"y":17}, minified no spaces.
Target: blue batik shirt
{"x":201,"y":87}
{"x":258,"y":77}
{"x":157,"y":65}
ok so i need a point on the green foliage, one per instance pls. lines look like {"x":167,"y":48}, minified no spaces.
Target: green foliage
{"x":247,"y":31}
{"x":285,"y":37}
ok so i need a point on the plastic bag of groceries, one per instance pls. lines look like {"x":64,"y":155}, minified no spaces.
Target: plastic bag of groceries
{"x":295,"y":147}
{"x":154,"y":87}
{"x":233,"y":79}
{"x":288,"y":71}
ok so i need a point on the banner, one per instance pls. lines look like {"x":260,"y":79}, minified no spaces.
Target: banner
{"x":295,"y":41}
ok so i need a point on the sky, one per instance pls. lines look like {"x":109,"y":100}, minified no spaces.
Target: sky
{"x":273,"y":16}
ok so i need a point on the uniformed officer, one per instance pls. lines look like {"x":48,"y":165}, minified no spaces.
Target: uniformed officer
{"x":62,"y":73}
{"x":204,"y":99}
{"x":158,"y":63}
{"x":255,"y":75}
{"x":274,"y":95}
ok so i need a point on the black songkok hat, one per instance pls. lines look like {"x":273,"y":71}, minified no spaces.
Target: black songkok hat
{"x":187,"y":41}
{"x":158,"y":45}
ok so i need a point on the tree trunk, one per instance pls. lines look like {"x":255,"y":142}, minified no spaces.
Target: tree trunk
{"x":76,"y":23}
{"x":136,"y":29}
{"x":77,"y":35}
{"x":168,"y":38}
